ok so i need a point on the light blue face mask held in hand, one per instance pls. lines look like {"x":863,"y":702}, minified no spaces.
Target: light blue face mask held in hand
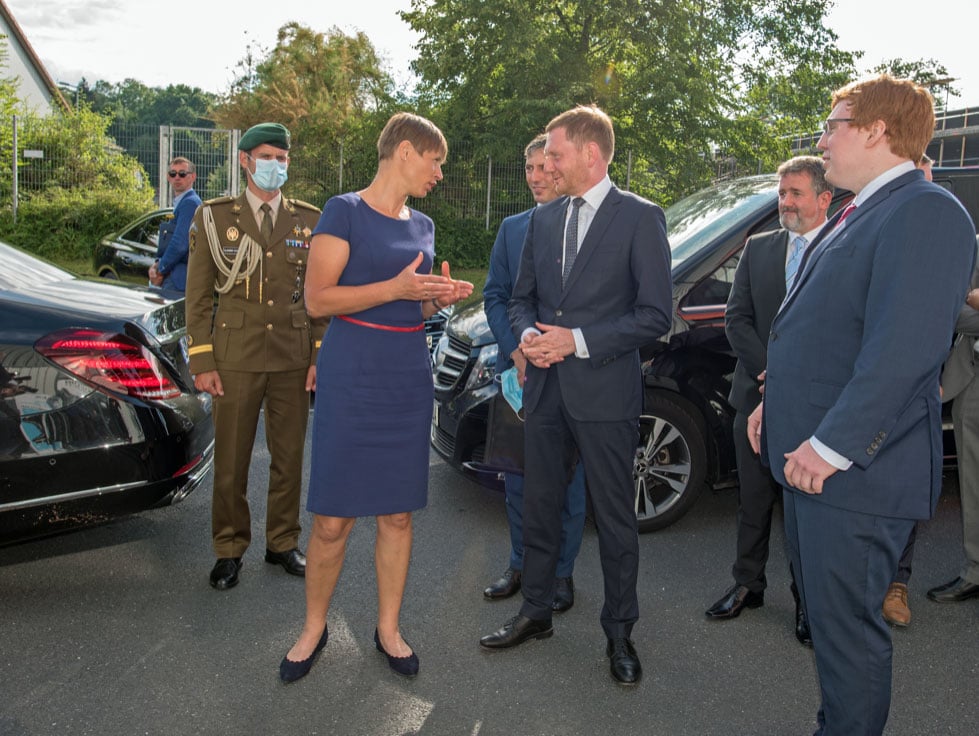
{"x":512,"y":390}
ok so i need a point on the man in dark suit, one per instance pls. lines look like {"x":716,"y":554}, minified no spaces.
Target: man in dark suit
{"x":850,"y":422}
{"x":960,"y":384}
{"x":768,"y":264}
{"x":169,"y":270}
{"x":504,"y":261}
{"x":594,"y":285}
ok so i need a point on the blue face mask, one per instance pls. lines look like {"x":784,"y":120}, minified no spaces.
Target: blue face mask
{"x":512,"y":390}
{"x":269,"y":175}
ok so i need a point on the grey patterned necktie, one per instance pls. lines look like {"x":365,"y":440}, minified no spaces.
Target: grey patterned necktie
{"x":571,"y":239}
{"x":795,"y":256}
{"x":266,"y":222}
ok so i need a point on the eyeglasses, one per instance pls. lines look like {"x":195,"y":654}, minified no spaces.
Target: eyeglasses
{"x":829,"y":127}
{"x":172,"y":174}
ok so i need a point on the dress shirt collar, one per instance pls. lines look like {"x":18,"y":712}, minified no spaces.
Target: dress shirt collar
{"x":596,"y":195}
{"x":255,"y":203}
{"x":875,"y":184}
{"x":176,"y":200}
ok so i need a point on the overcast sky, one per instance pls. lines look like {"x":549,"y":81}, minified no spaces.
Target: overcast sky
{"x":200,"y":43}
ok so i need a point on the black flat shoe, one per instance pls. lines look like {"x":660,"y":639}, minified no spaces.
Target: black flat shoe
{"x":290,"y":671}
{"x":623,"y":661}
{"x":563,"y":595}
{"x":516,"y":631}
{"x":734,"y":601}
{"x":224,"y":574}
{"x":505,"y":586}
{"x":407,"y":666}
{"x":293,"y":561}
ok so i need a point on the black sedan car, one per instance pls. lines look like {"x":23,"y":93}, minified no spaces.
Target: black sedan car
{"x":686,"y":439}
{"x":131,"y":250}
{"x":98,"y":414}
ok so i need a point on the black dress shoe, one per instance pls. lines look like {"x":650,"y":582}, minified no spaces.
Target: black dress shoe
{"x":507,"y":584}
{"x":563,"y":595}
{"x":293,"y":561}
{"x":623,"y":661}
{"x":953,"y":592}
{"x":516,"y":631}
{"x":407,"y":666}
{"x":224,"y":574}
{"x":736,"y":599}
{"x":290,"y":671}
{"x":802,"y":632}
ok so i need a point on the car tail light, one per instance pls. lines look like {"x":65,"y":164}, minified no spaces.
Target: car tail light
{"x":109,"y":360}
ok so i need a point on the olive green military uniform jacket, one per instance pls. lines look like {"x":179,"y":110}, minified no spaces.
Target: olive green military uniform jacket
{"x":259,"y":323}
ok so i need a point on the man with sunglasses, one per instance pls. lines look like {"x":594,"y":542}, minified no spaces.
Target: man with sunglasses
{"x":257,"y":353}
{"x":169,"y":270}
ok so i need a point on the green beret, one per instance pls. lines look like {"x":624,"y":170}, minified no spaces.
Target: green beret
{"x":275,"y":134}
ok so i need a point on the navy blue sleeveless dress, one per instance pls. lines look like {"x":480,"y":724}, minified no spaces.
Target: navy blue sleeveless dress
{"x":374,"y":392}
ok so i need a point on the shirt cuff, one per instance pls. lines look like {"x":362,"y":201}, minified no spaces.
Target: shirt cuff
{"x":829,"y":455}
{"x":580,"y":346}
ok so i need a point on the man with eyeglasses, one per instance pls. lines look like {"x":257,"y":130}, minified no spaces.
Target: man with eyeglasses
{"x":850,"y":422}
{"x":258,"y":350}
{"x":169,"y":270}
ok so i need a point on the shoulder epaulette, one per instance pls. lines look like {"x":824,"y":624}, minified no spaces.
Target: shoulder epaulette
{"x":220,"y":200}
{"x":307,"y":205}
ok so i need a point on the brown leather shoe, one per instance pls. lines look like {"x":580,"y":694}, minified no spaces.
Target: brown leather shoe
{"x":895,"y":609}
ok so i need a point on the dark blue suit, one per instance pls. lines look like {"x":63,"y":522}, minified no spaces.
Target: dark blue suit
{"x":854,"y":358}
{"x":504,"y":262}
{"x":619,"y":294}
{"x":173,"y":245}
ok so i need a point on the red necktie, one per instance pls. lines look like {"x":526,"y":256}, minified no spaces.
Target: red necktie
{"x":846,"y":213}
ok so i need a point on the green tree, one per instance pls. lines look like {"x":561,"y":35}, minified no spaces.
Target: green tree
{"x":327,"y":88}
{"x":680,"y":78}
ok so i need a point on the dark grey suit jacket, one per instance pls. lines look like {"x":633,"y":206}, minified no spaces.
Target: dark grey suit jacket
{"x":757,"y":292}
{"x":962,"y":365}
{"x":619,"y":293}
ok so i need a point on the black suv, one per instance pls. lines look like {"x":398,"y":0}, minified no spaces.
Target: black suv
{"x":685,"y":429}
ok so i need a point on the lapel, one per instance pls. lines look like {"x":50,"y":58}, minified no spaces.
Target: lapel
{"x":246,"y":219}
{"x":285,"y":222}
{"x":596,"y":231}
{"x":779,"y":254}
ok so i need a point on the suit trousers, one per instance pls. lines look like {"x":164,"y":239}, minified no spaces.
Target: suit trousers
{"x":844,"y":562}
{"x":572,"y":520}
{"x":286,"y":403}
{"x":758,"y":493}
{"x":607,"y":450}
{"x":965,"y":419}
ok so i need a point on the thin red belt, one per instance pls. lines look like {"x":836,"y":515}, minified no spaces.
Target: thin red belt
{"x":375,"y":326}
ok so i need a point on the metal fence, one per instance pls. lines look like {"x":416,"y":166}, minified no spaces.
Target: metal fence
{"x":475,"y":188}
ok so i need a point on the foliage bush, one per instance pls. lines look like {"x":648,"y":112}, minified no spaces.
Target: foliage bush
{"x":83,"y":188}
{"x":65,"y":224}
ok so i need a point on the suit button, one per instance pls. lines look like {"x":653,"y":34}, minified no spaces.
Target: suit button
{"x":271,"y":303}
{"x":558,"y":313}
{"x":268,"y":326}
{"x":773,"y":337}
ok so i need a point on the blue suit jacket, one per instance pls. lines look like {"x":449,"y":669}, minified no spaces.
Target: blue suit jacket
{"x":619,"y":293}
{"x":504,"y":262}
{"x":854,"y":354}
{"x":173,"y":245}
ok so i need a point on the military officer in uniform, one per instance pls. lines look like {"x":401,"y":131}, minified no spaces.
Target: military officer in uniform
{"x":256,"y":349}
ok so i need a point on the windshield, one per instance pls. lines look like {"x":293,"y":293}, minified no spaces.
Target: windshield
{"x":696,"y":220}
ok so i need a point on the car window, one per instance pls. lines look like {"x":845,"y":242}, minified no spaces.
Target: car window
{"x":697,"y":220}
{"x":146,"y":231}
{"x":715,"y":289}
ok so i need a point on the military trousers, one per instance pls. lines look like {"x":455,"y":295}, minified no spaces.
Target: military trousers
{"x":283,"y":397}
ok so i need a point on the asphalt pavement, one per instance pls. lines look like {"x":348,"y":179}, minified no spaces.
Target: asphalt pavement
{"x":115,"y":630}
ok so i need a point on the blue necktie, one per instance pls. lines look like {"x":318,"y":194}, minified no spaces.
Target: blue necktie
{"x":571,"y":239}
{"x":795,"y":256}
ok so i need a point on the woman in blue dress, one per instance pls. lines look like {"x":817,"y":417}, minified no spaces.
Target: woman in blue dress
{"x":370,"y":270}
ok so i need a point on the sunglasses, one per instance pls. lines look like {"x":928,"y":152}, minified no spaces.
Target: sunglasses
{"x":181,"y":174}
